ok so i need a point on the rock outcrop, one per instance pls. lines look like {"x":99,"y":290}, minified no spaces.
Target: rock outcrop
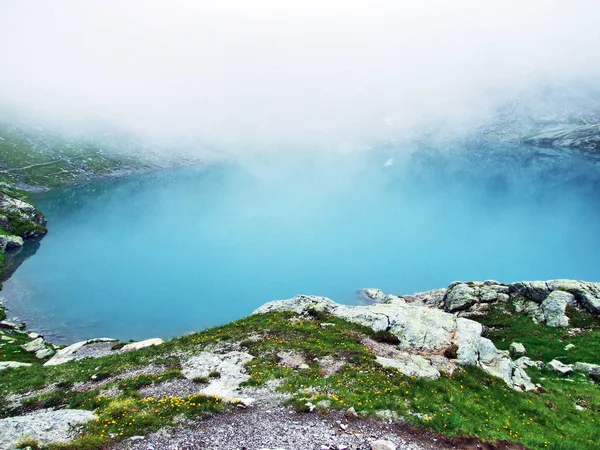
{"x":544,"y":301}
{"x":20,"y":218}
{"x":42,"y":426}
{"x":423,"y":332}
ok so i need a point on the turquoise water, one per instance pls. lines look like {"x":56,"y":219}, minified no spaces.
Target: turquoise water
{"x":170,"y":252}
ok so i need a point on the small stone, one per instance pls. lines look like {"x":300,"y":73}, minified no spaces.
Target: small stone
{"x":517,"y":349}
{"x":246,"y":402}
{"x":136,"y":438}
{"x":327,"y":325}
{"x":33,"y":335}
{"x":303,"y":366}
{"x":351,"y":412}
{"x":382,"y":445}
{"x":310,"y":406}
{"x":579,"y":408}
{"x":560,"y":368}
{"x":569,"y":347}
{"x":11,"y":364}
{"x":142,"y":344}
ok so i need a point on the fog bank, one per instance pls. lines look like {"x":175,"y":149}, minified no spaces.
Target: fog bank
{"x":326,"y":73}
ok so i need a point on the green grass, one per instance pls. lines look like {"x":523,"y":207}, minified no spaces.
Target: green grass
{"x":542,"y":342}
{"x":52,"y":160}
{"x":12,"y":351}
{"x":469,"y":403}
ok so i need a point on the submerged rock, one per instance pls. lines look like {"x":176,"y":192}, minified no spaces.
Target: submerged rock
{"x":42,"y":426}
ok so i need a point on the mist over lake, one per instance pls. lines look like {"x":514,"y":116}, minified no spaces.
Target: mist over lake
{"x":170,"y":252}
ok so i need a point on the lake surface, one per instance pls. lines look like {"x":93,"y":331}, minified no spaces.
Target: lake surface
{"x":167,"y":253}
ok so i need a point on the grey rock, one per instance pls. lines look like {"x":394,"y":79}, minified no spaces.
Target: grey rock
{"x":413,"y":365}
{"x":142,"y":344}
{"x":569,"y":347}
{"x":560,"y":368}
{"x":92,"y":348}
{"x":524,"y":362}
{"x":517,"y":349}
{"x":44,"y":353}
{"x":12,"y":364}
{"x":587,"y":368}
{"x":42,"y":426}
{"x":434,"y":298}
{"x":34,"y":346}
{"x":372,"y":294}
{"x":553,"y":308}
{"x":459,"y":296}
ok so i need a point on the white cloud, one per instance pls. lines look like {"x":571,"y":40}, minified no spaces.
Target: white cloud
{"x":273,"y":71}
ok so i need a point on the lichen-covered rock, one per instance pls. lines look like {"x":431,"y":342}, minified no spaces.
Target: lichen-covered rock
{"x":419,"y":329}
{"x":553,"y":308}
{"x":459,"y":296}
{"x":42,"y":426}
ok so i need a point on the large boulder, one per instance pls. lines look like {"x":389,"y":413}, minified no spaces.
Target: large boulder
{"x":42,"y":426}
{"x":421,"y":330}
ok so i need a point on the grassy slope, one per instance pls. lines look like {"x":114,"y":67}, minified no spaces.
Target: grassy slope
{"x":39,"y":158}
{"x":468,"y":403}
